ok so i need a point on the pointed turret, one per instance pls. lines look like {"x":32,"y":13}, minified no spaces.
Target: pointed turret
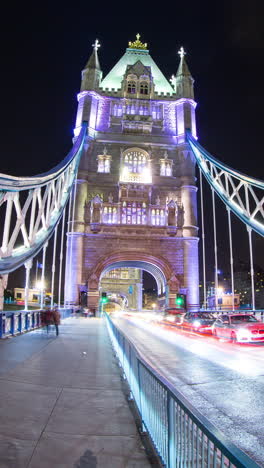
{"x":92,"y":74}
{"x":184,"y":80}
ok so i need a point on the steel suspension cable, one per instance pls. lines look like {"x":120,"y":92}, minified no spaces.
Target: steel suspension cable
{"x":43,"y":274}
{"x":28,"y":266}
{"x":251,"y":267}
{"x":203,"y":238}
{"x":231,"y":256}
{"x":72,"y":221}
{"x":61,"y":257}
{"x":67,"y":259}
{"x":53,"y":264}
{"x":215,"y":250}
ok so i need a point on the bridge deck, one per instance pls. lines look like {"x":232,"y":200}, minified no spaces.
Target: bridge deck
{"x":62,"y":404}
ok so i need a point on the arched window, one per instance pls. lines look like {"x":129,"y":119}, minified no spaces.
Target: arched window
{"x":157,"y":217}
{"x":165,"y":168}
{"x":134,"y":213}
{"x":110,"y":215}
{"x":104,"y":161}
{"x":144,"y":88}
{"x":135,"y":166}
{"x":131,"y":87}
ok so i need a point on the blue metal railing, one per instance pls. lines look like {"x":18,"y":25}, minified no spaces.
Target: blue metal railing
{"x":181,"y":436}
{"x":14,"y":323}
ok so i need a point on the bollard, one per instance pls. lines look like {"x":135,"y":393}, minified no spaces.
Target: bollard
{"x":20,"y":322}
{"x":2,"y":319}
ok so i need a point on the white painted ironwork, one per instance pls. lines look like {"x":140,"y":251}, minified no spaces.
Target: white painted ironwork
{"x":231,"y":257}
{"x":43,"y":285}
{"x":215,"y":250}
{"x":33,"y":207}
{"x":53,"y":265}
{"x":251,"y":267}
{"x":61,"y":258}
{"x":203,"y":240}
{"x":243,"y":194}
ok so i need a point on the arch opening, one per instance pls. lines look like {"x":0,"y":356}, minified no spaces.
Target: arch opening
{"x":125,"y":278}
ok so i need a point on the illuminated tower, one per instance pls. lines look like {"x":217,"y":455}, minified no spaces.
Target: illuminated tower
{"x":136,"y":193}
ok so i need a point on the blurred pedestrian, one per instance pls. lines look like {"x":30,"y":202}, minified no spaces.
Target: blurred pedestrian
{"x":56,"y":318}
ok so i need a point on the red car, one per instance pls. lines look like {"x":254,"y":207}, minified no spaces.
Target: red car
{"x":199,"y":322}
{"x":241,"y":328}
{"x":174,"y":315}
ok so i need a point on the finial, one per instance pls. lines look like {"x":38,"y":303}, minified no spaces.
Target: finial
{"x":181,"y":52}
{"x":137,"y":44}
{"x":96,"y":45}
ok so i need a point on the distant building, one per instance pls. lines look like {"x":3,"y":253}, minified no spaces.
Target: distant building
{"x":33,"y":296}
{"x":125,"y":283}
{"x":223,"y":301}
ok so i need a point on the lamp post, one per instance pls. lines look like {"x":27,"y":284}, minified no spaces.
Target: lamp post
{"x":40,"y":285}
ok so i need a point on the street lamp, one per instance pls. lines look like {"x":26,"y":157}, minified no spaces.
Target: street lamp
{"x":40,"y":285}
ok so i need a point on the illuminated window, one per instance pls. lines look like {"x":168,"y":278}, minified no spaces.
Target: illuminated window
{"x":157,"y":217}
{"x":124,"y":275}
{"x":134,"y":213}
{"x":110,"y":215}
{"x":117,"y":110}
{"x":104,"y":162}
{"x":166,"y":166}
{"x":157,"y":112}
{"x":135,"y":167}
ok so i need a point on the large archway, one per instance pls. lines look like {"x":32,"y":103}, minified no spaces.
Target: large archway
{"x":142,"y":265}
{"x":157,"y":266}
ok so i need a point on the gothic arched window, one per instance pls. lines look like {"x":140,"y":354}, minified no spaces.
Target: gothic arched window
{"x":134,"y":213}
{"x":104,"y":161}
{"x":135,"y":166}
{"x":131,"y":87}
{"x":144,"y":88}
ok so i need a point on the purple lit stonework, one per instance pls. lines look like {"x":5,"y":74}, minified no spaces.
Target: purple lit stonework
{"x":136,"y":194}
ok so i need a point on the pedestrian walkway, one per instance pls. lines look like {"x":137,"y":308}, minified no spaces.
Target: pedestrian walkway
{"x":62,"y":404}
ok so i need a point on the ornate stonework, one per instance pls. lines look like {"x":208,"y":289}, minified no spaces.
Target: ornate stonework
{"x":136,"y":194}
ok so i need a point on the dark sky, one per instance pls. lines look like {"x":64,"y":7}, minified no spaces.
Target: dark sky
{"x":44,"y":47}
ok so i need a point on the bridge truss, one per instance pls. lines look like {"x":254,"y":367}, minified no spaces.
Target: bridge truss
{"x":241,"y":194}
{"x":34,"y":206}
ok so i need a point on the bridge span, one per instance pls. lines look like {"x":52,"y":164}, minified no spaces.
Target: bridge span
{"x":62,"y":402}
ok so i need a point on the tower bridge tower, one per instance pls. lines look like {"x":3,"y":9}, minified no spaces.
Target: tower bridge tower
{"x":136,"y":193}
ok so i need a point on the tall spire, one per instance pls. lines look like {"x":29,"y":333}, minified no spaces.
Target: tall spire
{"x":183,"y":69}
{"x":183,"y":81}
{"x":92,"y":74}
{"x":93,"y":62}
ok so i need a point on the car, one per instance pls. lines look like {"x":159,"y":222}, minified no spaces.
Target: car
{"x":173,"y":315}
{"x":200,"y":322}
{"x":174,"y":311}
{"x":240,"y":328}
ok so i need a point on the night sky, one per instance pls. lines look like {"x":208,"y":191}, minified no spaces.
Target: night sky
{"x":44,"y":47}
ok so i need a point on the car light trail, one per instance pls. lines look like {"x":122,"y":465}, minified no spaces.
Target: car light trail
{"x":245,"y":359}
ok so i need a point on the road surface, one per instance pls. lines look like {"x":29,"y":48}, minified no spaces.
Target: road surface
{"x":224,"y":381}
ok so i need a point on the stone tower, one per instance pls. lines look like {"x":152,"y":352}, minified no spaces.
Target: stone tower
{"x":136,"y":194}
